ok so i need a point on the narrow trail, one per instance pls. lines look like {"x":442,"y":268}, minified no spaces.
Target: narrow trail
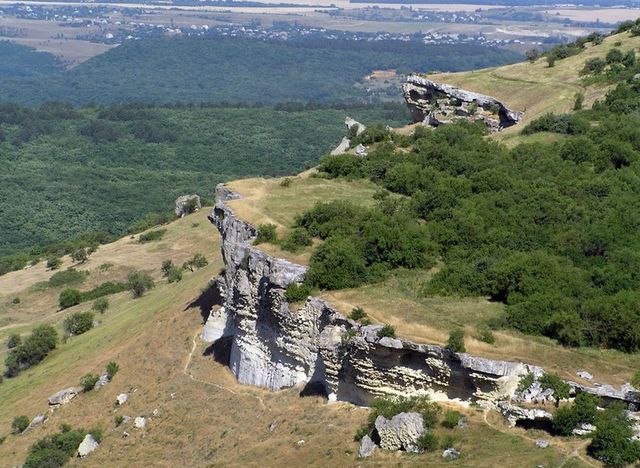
{"x":185,"y":371}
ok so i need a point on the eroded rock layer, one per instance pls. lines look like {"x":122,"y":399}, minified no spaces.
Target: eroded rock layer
{"x":437,"y":103}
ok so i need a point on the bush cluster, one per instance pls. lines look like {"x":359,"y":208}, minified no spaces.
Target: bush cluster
{"x":33,"y":349}
{"x":78,"y":323}
{"x":55,"y":450}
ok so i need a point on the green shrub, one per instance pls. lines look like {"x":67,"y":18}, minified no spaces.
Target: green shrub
{"x":614,"y":55}
{"x":387,"y":331}
{"x":390,"y":406}
{"x":69,"y":298}
{"x":80,"y":255}
{"x":167,"y":266}
{"x":447,"y":442}
{"x":14,"y":340}
{"x":565,"y":420}
{"x":525,"y":382}
{"x":34,"y":349}
{"x":337,"y":264}
{"x":486,"y":335}
{"x":54,"y":450}
{"x":428,"y":441}
{"x":88,"y":382}
{"x":104,"y":289}
{"x":175,"y":275}
{"x":286,"y":182}
{"x":593,"y":66}
{"x":360,"y":433}
{"x":78,"y":323}
{"x":296,"y":239}
{"x":112,"y":369}
{"x":451,"y":419}
{"x":456,"y":341}
{"x":67,"y":277}
{"x":15,"y":300}
{"x":611,"y":441}
{"x":119,"y":419}
{"x":53,"y":263}
{"x":196,"y":262}
{"x":357,"y":314}
{"x":139,"y":283}
{"x":297,"y":292}
{"x":100,"y":305}
{"x":19,"y":424}
{"x":266,"y":233}
{"x":577,"y":105}
{"x":560,"y":387}
{"x":152,"y":236}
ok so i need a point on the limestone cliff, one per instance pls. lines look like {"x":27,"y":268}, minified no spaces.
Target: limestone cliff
{"x":436,"y":103}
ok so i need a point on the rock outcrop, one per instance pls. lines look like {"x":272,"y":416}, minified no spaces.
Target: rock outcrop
{"x":401,"y":432}
{"x":437,"y":103}
{"x":64,"y":396}
{"x":88,"y":445}
{"x":367,"y":447}
{"x":187,"y":204}
{"x":270,"y":343}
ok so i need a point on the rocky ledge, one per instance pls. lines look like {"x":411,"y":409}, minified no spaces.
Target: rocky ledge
{"x":271,"y":343}
{"x":437,"y":103}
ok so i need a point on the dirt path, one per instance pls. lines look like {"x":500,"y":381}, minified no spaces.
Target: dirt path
{"x":187,"y":364}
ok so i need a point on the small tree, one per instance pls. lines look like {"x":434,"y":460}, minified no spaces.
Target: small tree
{"x":53,"y":263}
{"x":532,"y":55}
{"x":560,"y":387}
{"x":196,"y":262}
{"x":357,"y":313}
{"x":78,"y":323}
{"x":69,"y":297}
{"x":551,"y":61}
{"x":577,"y":105}
{"x":88,"y":382}
{"x":14,"y":341}
{"x":175,"y":275}
{"x":80,"y":255}
{"x":611,"y":442}
{"x":456,"y":341}
{"x":428,"y":441}
{"x":451,"y":419}
{"x":101,"y":305}
{"x":387,"y":331}
{"x":166,"y":267}
{"x":112,"y":369}
{"x":139,"y":283}
{"x":266,"y":233}
{"x":19,"y":424}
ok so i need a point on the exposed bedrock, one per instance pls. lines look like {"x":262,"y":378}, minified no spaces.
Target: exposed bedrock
{"x":271,"y":343}
{"x":437,"y":103}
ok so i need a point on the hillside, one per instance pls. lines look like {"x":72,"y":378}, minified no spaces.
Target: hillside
{"x":536,"y":88}
{"x":203,"y":415}
{"x":170,"y":70}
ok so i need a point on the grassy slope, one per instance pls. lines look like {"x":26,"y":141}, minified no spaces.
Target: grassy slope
{"x":211,"y":420}
{"x":398,"y":300}
{"x":535,"y":88}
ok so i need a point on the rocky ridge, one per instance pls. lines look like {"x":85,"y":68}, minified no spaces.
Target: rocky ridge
{"x":436,"y":104}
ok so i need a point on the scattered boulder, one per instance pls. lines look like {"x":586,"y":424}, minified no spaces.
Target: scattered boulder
{"x":451,"y":454}
{"x":64,"y":396}
{"x":584,"y":375}
{"x":367,"y":447}
{"x":400,"y":432}
{"x":122,"y":399}
{"x":300,"y":443}
{"x":88,"y":445}
{"x":140,"y":422}
{"x":361,"y":150}
{"x":272,"y":426}
{"x":584,"y":429}
{"x":187,"y":204}
{"x":102,"y":381}
{"x":542,"y":443}
{"x":36,"y":421}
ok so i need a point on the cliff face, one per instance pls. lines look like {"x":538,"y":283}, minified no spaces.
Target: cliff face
{"x":437,"y":104}
{"x":271,"y":343}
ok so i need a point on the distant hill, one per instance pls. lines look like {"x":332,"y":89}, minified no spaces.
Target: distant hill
{"x":240,"y":70}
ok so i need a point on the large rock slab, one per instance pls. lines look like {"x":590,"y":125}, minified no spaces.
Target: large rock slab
{"x":401,"y":432}
{"x":88,"y":445}
{"x":64,"y":396}
{"x":367,"y":447}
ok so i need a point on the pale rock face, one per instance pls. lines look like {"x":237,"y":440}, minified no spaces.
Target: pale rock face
{"x":140,"y":422}
{"x":37,"y":421}
{"x":102,"y":381}
{"x":64,"y":396}
{"x":122,"y":399}
{"x":88,"y":445}
{"x":349,"y":122}
{"x":342,"y":147}
{"x":275,"y":346}
{"x":185,"y":203}
{"x":401,"y":432}
{"x":514,"y":413}
{"x":367,"y":447}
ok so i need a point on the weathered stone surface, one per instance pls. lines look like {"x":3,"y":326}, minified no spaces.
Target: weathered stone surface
{"x":186,"y":203}
{"x":122,"y":399}
{"x":102,"y":381}
{"x":350,"y":123}
{"x":367,"y":447}
{"x":88,"y":445}
{"x":514,"y":413}
{"x":584,"y":375}
{"x":64,"y":396}
{"x":36,"y":421}
{"x":342,"y":147}
{"x":401,"y":432}
{"x":438,"y":103}
{"x":361,"y":150}
{"x":584,"y":429}
{"x":140,"y":422}
{"x":542,"y":443}
{"x":451,"y":454}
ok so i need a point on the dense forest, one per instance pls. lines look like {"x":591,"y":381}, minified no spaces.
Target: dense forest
{"x":549,"y":229}
{"x":237,"y":70}
{"x":20,"y":61}
{"x":68,"y":171}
